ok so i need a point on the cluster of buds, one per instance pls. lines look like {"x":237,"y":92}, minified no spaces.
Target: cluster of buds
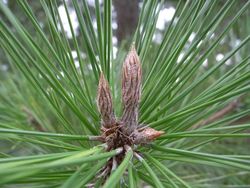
{"x":126,"y":130}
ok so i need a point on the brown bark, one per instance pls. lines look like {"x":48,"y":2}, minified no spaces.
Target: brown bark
{"x":127,"y":17}
{"x":219,"y":114}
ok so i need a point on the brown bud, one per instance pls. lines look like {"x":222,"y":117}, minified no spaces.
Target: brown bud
{"x":146,"y":135}
{"x":104,"y":102}
{"x":131,"y":90}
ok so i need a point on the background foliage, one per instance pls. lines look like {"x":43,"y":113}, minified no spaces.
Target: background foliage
{"x":195,"y":88}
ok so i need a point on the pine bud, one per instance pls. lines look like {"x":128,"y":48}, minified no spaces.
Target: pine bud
{"x":146,"y":135}
{"x":104,"y":102}
{"x":131,"y":91}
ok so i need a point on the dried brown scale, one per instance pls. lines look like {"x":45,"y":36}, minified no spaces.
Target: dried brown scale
{"x":125,"y":132}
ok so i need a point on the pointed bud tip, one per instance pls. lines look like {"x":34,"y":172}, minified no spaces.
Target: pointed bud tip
{"x":132,"y":47}
{"x":132,"y":65}
{"x":102,"y":80}
{"x":101,"y":77}
{"x":133,"y":51}
{"x":152,"y":134}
